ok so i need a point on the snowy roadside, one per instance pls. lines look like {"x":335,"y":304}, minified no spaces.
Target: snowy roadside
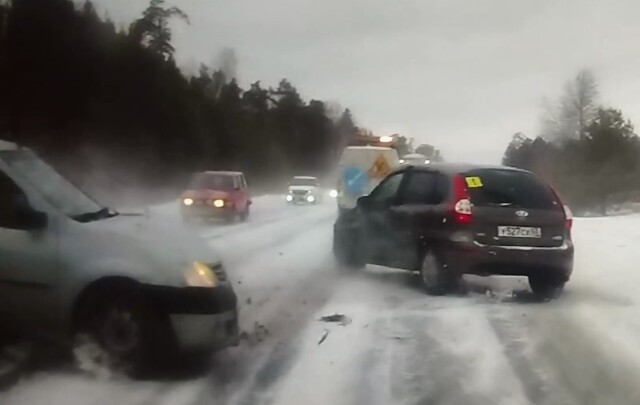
{"x":400,"y":346}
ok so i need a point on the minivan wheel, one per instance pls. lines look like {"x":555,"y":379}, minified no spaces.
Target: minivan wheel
{"x":434,"y":277}
{"x":127,"y":334}
{"x":545,"y":286}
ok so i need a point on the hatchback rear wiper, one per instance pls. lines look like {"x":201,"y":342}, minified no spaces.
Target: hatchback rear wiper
{"x":504,"y":204}
{"x":95,"y":216}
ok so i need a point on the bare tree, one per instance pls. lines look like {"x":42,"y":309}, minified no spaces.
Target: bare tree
{"x":228,"y":63}
{"x":570,"y":117}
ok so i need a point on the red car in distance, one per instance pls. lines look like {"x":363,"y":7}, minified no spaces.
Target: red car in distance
{"x":217,"y":194}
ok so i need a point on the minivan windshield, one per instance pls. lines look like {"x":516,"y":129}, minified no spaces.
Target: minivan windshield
{"x":510,"y":188}
{"x":57,"y":190}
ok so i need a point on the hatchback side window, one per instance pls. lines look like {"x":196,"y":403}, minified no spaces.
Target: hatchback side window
{"x":12,"y":199}
{"x":423,"y":188}
{"x":387,"y":192}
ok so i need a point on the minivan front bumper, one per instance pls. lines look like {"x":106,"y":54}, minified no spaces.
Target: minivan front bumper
{"x":206,"y":332}
{"x":201,"y":318}
{"x":476,"y":258}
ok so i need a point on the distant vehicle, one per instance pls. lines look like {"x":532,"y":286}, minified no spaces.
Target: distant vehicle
{"x":305,"y":190}
{"x":414,"y":159}
{"x":445,"y":220}
{"x":216,"y":195}
{"x":360,"y":169}
{"x":71,"y":267}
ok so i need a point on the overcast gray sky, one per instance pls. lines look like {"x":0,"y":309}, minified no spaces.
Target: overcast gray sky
{"x":463,"y":75}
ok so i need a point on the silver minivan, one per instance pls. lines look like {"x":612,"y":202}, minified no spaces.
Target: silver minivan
{"x":71,"y":267}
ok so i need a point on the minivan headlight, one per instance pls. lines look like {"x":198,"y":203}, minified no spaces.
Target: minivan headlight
{"x":199,"y":274}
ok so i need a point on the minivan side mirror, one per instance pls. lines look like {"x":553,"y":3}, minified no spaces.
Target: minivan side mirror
{"x":31,"y":220}
{"x":26,"y":218}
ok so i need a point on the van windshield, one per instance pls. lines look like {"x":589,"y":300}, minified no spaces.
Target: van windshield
{"x":57,"y":190}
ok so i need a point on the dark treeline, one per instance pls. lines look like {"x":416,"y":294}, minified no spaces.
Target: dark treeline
{"x":94,"y":99}
{"x":590,"y":152}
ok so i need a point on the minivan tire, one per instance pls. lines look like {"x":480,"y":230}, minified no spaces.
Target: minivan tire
{"x":131,"y":334}
{"x":545,"y":286}
{"x":435,"y":278}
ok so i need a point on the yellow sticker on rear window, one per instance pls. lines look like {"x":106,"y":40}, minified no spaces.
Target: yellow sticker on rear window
{"x":473,"y":182}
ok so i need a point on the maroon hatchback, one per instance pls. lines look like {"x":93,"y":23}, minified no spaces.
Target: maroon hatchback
{"x":216,"y":195}
{"x":445,"y":220}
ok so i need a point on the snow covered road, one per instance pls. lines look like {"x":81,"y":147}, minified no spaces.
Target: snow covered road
{"x":493,"y":345}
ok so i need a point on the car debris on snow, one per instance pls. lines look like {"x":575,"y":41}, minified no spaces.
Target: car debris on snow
{"x":260,"y":332}
{"x":340,"y":319}
{"x":324,"y":337}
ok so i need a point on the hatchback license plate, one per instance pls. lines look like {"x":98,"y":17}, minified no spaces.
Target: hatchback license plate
{"x":519,"y":232}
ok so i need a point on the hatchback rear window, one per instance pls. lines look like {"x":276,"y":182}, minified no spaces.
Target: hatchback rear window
{"x":509,"y":188}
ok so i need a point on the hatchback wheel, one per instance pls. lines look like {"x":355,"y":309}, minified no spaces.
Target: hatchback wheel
{"x":435,"y":278}
{"x":546,"y":286}
{"x":348,"y":253}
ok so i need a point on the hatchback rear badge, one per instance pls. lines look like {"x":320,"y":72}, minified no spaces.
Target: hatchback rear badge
{"x":522,"y":214}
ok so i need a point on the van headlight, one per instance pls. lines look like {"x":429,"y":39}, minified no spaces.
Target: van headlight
{"x":333,"y":193}
{"x":289,"y":197}
{"x":199,"y":274}
{"x":187,"y":201}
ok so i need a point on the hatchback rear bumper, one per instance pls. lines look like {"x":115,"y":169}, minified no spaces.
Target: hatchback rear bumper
{"x":480,"y":259}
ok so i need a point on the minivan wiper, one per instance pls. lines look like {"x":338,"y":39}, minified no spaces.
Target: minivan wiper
{"x":103,"y":213}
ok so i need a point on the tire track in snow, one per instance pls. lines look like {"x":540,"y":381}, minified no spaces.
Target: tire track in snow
{"x":246,"y":374}
{"x":570,"y":362}
{"x":264,"y":367}
{"x":237,"y":251}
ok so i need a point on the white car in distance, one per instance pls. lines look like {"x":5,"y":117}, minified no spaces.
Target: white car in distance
{"x":414,"y":159}
{"x":304,"y":190}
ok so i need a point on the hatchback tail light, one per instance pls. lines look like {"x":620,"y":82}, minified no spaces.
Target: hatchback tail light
{"x":568,"y":215}
{"x":462,"y":205}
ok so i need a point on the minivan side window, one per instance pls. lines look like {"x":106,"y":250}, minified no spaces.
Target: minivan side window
{"x":423,"y":187}
{"x":11,"y":196}
{"x":386,"y":193}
